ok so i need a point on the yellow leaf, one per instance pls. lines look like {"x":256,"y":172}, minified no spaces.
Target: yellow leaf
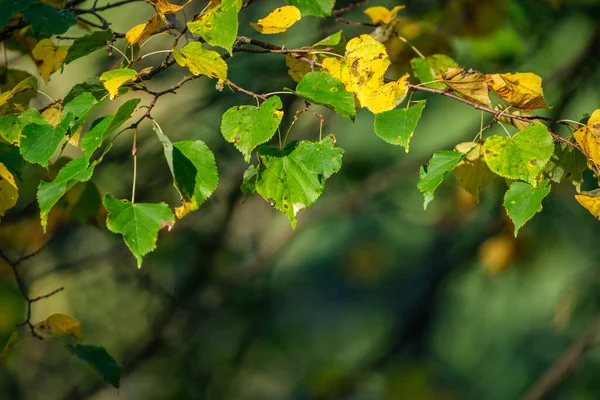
{"x":497,"y":252}
{"x":201,"y":61}
{"x":521,"y":90}
{"x":297,"y":69}
{"x":593,"y":123}
{"x":52,"y":115}
{"x":114,"y":79}
{"x":48,"y":57}
{"x":588,"y":137}
{"x":278,"y":21}
{"x":472,"y":173}
{"x":142,"y":31}
{"x":590,"y":201}
{"x":382,"y":15}
{"x":61,"y":325}
{"x":469,"y":84}
{"x":8,"y":190}
{"x":164,"y":7}
{"x":386,"y":97}
{"x":186,"y":207}
{"x":23,"y":86}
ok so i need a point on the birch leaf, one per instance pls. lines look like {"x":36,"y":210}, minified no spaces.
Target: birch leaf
{"x":280,"y":20}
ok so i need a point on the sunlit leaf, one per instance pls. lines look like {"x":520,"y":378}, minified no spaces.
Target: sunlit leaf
{"x":383,"y":15}
{"x":522,"y":201}
{"x":48,"y":57}
{"x":472,"y":172}
{"x":522,"y":90}
{"x":139,"y":223}
{"x":280,"y":20}
{"x":99,"y":359}
{"x":249,"y":126}
{"x":142,"y":31}
{"x":60,"y":325}
{"x":321,"y":88}
{"x":85,"y":45}
{"x":201,"y":61}
{"x":430,"y":69}
{"x":397,"y":126}
{"x":322,"y":158}
{"x":164,"y":7}
{"x":469,"y":84}
{"x":114,"y":79}
{"x":9,"y":193}
{"x":590,"y":201}
{"x":433,"y":173}
{"x":10,"y":128}
{"x":522,"y":156}
{"x":218,"y":25}
{"x":588,"y":137}
{"x":320,"y":8}
{"x":386,"y":97}
{"x":46,"y":20}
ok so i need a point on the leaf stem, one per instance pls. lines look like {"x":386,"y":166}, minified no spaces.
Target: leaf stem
{"x":134,"y":153}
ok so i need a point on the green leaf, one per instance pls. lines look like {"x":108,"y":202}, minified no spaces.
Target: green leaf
{"x":105,"y":126}
{"x":397,"y":126}
{"x":248,"y":126}
{"x":522,"y":201}
{"x":139,"y":223}
{"x":431,"y":68}
{"x":331,"y":40}
{"x":219,"y":24}
{"x":194,"y":171}
{"x":12,"y":159}
{"x":293,"y":178}
{"x":99,"y":359}
{"x":40,"y":142}
{"x":432,"y":174}
{"x":32,"y":116}
{"x":10,"y":128}
{"x":201,"y":61}
{"x":46,"y":20}
{"x":248,"y":186}
{"x":522,"y":156}
{"x":49,"y":193}
{"x":8,"y":8}
{"x":320,"y":8}
{"x":472,"y":172}
{"x":91,"y":85}
{"x":566,"y":163}
{"x":321,"y":88}
{"x":87,"y":44}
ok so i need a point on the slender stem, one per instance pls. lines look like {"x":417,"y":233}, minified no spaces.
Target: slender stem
{"x":156,"y":52}
{"x":134,"y":153}
{"x":412,"y":46}
{"x":120,"y":52}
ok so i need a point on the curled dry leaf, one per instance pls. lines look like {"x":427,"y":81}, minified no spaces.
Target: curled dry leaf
{"x":588,"y":137}
{"x":470,"y":84}
{"x":522,"y":90}
{"x":142,"y":31}
{"x":164,"y":7}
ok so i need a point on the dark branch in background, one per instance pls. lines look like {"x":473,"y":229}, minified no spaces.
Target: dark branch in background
{"x":343,"y":10}
{"x":23,"y":288}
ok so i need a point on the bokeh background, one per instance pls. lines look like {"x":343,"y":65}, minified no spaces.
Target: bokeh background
{"x":371,"y":297}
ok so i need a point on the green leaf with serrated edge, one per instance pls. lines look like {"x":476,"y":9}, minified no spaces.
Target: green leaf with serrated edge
{"x":522,"y":156}
{"x":320,"y":8}
{"x":321,"y":157}
{"x":32,"y":116}
{"x":331,"y":40}
{"x":91,"y":85}
{"x":522,"y":201}
{"x":87,"y":44}
{"x":321,"y":88}
{"x":80,"y":107}
{"x":472,"y":173}
{"x":566,"y":163}
{"x":99,"y":359}
{"x":248,"y":186}
{"x":201,"y":61}
{"x":219,"y":23}
{"x":10,"y":128}
{"x":194,"y":171}
{"x":397,"y":126}
{"x":8,"y":8}
{"x":12,"y":159}
{"x":249,"y":126}
{"x":40,"y":142}
{"x":105,"y":126}
{"x":293,"y":178}
{"x":46,"y":20}
{"x":432,"y":174}
{"x":49,"y":193}
{"x":428,"y":69}
{"x":139,"y":223}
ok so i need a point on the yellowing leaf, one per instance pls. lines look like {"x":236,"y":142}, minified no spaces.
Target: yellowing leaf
{"x":297,"y":69}
{"x":142,"y":31}
{"x":385,"y":97}
{"x":472,"y":172}
{"x":164,"y":7}
{"x":61,"y":325}
{"x":593,"y":123}
{"x":8,"y":190}
{"x":52,"y":115}
{"x":23,"y":86}
{"x":521,"y":90}
{"x":588,"y":138}
{"x":382,"y":15}
{"x":201,"y":61}
{"x":590,"y":201}
{"x":280,"y":20}
{"x":469,"y":84}
{"x":114,"y":79}
{"x":48,"y":57}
